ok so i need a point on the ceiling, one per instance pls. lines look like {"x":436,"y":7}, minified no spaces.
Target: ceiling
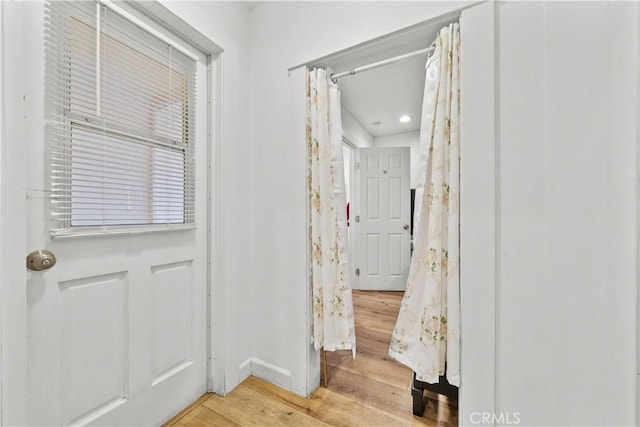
{"x":386,"y":93}
{"x":377,"y":98}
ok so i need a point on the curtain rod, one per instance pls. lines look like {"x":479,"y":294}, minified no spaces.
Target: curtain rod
{"x":335,"y":77}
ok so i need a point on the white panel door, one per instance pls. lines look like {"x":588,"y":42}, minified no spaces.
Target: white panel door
{"x":117,"y":329}
{"x":384,"y":233}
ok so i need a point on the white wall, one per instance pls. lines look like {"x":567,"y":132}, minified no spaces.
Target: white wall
{"x":567,"y":143}
{"x":565,"y":211}
{"x":406,"y":139}
{"x":283,"y":35}
{"x":353,"y":130}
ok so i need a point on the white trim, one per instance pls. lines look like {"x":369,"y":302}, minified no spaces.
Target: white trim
{"x":162,"y":16}
{"x":298,"y":136}
{"x":148,"y":28}
{"x":77,"y":232}
{"x":355,"y":211}
{"x":271,"y":373}
{"x":352,"y":231}
{"x":244,"y":370}
{"x":479,"y":211}
{"x":268,"y":372}
{"x":210,"y":220}
{"x":403,"y":40}
{"x":637,"y":214}
{"x":217,"y":295}
{"x":2,"y":194}
{"x":346,"y":140}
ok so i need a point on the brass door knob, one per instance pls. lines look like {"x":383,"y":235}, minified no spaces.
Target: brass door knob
{"x":40,"y":260}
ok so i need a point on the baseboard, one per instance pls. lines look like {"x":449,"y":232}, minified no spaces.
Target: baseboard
{"x":244,"y":370}
{"x":314,"y":371}
{"x":266,"y":371}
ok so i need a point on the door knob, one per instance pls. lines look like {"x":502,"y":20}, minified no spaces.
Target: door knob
{"x":406,"y":226}
{"x":40,"y":260}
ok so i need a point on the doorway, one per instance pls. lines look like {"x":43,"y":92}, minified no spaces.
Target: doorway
{"x":381,"y":112}
{"x":382,"y":216}
{"x":478,"y":183}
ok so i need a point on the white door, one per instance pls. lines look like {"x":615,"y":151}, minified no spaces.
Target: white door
{"x":117,"y":329}
{"x":384,"y":248}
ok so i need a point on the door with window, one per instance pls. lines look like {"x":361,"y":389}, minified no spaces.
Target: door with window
{"x":384,"y":231}
{"x":117,"y":192}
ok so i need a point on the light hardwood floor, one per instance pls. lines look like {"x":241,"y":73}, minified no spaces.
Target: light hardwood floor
{"x":370,"y":390}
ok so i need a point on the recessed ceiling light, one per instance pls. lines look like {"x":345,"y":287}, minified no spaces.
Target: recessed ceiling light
{"x":376,"y":123}
{"x":405,"y":119}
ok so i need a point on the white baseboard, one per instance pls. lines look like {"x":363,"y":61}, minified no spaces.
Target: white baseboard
{"x":266,"y":371}
{"x":244,"y":370}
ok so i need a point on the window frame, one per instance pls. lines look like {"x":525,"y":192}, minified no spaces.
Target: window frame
{"x":63,"y":228}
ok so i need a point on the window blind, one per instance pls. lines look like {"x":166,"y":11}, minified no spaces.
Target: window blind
{"x":121,"y":122}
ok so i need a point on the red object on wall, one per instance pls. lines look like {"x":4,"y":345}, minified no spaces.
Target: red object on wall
{"x":347,"y":214}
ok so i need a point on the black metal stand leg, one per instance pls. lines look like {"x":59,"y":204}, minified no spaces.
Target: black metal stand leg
{"x":417,"y":393}
{"x":418,"y":408}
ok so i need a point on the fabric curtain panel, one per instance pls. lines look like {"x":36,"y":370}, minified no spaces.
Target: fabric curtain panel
{"x":426,"y":337}
{"x":333,"y":322}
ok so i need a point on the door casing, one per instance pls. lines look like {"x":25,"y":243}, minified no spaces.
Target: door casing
{"x":353,"y":203}
{"x":478,"y":196}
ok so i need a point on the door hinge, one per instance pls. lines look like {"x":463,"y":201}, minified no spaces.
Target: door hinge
{"x":357,"y":272}
{"x":357,"y":218}
{"x":357,"y":165}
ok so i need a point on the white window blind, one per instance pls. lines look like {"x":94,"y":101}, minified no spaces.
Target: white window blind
{"x":121,"y":123}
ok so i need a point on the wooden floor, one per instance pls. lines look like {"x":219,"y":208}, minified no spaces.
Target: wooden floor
{"x":370,"y":390}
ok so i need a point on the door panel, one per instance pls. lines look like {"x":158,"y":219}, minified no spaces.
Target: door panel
{"x":171,"y":292}
{"x":90,"y":307}
{"x":117,"y":329}
{"x":385,"y":203}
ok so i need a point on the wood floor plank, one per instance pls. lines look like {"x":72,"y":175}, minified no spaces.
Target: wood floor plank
{"x":341,"y":411}
{"x":202,"y":416}
{"x":384,"y":370}
{"x":375,"y":345}
{"x":310,"y":405}
{"x":441,"y":413}
{"x":381,"y":323}
{"x":250,"y":407}
{"x":378,"y":306}
{"x":391,"y":297}
{"x":186,"y":410}
{"x":370,"y":390}
{"x":395,"y":400}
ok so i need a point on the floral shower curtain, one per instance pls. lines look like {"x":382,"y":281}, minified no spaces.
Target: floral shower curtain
{"x":427,"y":332}
{"x":333,"y":323}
